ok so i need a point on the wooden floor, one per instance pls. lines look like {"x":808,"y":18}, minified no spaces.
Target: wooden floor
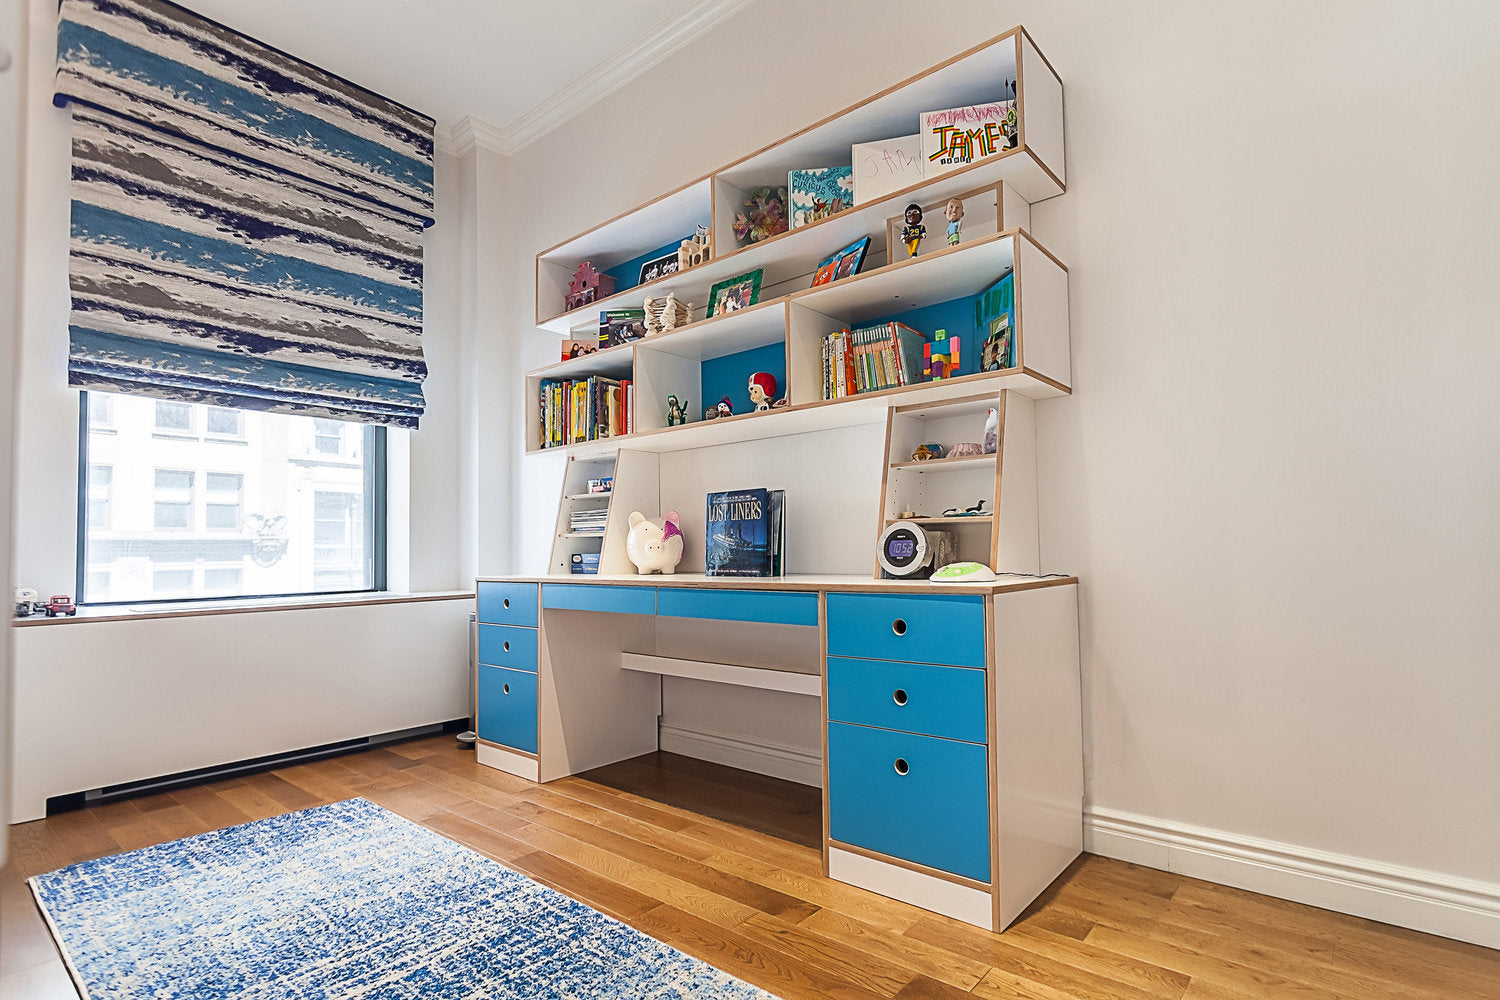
{"x":757,"y":907}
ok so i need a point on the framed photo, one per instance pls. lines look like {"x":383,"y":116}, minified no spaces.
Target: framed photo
{"x":736,"y":293}
{"x":659,"y":268}
{"x":842,"y":264}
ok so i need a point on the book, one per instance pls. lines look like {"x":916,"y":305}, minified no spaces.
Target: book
{"x":995,"y":324}
{"x":621,"y":326}
{"x":818,"y":192}
{"x":744,"y":533}
{"x":886,"y":166}
{"x":956,"y":137}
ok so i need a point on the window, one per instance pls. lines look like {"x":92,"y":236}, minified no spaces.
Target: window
{"x":174,"y":418}
{"x":328,"y":437}
{"x":254,"y":506}
{"x":101,"y":411}
{"x":225,"y":423}
{"x":101,"y":479}
{"x":222,"y":512}
{"x":174,"y":498}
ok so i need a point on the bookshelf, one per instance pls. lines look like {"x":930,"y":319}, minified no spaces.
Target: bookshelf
{"x":784,"y":332}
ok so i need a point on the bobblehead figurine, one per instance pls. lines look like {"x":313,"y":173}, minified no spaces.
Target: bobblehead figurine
{"x":954,"y":213}
{"x":914,"y":232}
{"x":762,"y":389}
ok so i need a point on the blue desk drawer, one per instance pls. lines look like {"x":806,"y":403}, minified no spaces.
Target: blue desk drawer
{"x":911,"y":697}
{"x":507,"y":708}
{"x":779,"y":607}
{"x":918,"y":798}
{"x":599,"y":597}
{"x":508,"y":646}
{"x":924,"y":628}
{"x":508,"y":604}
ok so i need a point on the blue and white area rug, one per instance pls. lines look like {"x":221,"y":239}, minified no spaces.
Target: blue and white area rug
{"x":346,"y":901}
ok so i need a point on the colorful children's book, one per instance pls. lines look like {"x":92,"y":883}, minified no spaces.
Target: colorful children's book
{"x":995,"y":324}
{"x":621,"y":326}
{"x":819,"y":192}
{"x":956,"y":137}
{"x":742,"y":533}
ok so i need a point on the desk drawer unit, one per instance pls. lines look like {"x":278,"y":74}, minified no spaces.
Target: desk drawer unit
{"x":599,"y":597}
{"x":909,"y":697}
{"x":507,"y":604}
{"x":777,"y":607}
{"x":914,"y":797}
{"x":923,"y":628}
{"x":507,"y":707}
{"x":508,"y":646}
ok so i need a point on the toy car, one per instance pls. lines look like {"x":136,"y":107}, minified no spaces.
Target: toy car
{"x":26,"y":602}
{"x":61,"y":604}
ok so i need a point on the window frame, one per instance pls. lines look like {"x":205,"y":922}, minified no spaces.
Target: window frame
{"x":375,"y":482}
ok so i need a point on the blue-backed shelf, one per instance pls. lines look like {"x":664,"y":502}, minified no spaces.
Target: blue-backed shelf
{"x":730,"y":375}
{"x":628,"y":274}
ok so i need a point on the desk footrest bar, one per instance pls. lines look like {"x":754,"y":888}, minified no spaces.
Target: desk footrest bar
{"x":764,"y":678}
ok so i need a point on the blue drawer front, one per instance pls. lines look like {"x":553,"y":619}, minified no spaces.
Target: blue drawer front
{"x":912,"y":697}
{"x":508,"y":604}
{"x":925,"y":628}
{"x":508,"y":646}
{"x":778,"y":607}
{"x":936,"y":814}
{"x":599,"y":597}
{"x":507,"y":708}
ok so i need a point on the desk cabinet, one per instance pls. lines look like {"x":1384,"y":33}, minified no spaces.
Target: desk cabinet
{"x":506,"y":678}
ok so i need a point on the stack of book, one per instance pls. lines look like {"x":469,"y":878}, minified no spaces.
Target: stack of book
{"x":589,"y":521}
{"x":745,"y":533}
{"x":871,"y":358}
{"x":586,"y":410}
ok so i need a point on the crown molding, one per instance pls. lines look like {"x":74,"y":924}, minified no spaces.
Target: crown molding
{"x":649,"y":48}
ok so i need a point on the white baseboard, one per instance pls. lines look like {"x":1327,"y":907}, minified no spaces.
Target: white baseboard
{"x":779,"y":760}
{"x":1463,"y":909}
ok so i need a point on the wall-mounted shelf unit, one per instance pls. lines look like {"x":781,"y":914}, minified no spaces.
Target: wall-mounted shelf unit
{"x":1031,"y":171}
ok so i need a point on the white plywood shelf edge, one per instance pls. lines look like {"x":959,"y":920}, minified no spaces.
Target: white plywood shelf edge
{"x":939,"y":464}
{"x":589,"y":496}
{"x":764,"y":678}
{"x":581,"y":534}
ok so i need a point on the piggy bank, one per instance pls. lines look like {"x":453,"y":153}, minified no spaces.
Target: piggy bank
{"x":654,"y":546}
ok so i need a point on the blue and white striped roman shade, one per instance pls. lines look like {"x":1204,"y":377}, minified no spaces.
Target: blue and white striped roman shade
{"x":246,"y":228}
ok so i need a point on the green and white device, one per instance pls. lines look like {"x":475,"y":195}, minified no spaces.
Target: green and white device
{"x":963,"y":572}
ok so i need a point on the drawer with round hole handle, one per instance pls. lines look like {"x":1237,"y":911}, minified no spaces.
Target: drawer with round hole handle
{"x":507,"y":708}
{"x":924,"y":628}
{"x":507,"y":603}
{"x":508,"y":646}
{"x":911,"y":697}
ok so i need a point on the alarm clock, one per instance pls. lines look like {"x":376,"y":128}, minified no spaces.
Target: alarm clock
{"x":908,"y":551}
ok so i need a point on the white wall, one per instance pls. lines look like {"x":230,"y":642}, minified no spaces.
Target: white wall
{"x":1277,"y":475}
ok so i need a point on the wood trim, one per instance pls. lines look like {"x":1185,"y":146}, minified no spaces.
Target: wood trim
{"x":626,"y":214}
{"x":84,"y":616}
{"x":909,"y":407}
{"x":823,"y":669}
{"x":920,"y":869}
{"x":791,"y":583}
{"x":1020,"y":97}
{"x":1048,"y":170}
{"x":999,"y":469}
{"x":1018,"y":336}
{"x":518,"y":753}
{"x":1033,"y":241}
{"x":885,"y":477}
{"x":938,"y":463}
{"x":1050,"y":381}
{"x":992,"y":754}
{"x":1022,"y":30}
{"x":619,"y":350}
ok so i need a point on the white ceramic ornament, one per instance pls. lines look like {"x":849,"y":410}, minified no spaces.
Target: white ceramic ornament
{"x":992,"y":433}
{"x":654,"y":546}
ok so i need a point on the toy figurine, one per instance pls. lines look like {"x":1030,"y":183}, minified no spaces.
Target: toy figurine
{"x":940,"y":358}
{"x":724,"y":409}
{"x":929,"y":450}
{"x":992,"y":432}
{"x":654,"y":547}
{"x":762,"y":389}
{"x":676,"y":411}
{"x":914,"y":232}
{"x":954,"y":213}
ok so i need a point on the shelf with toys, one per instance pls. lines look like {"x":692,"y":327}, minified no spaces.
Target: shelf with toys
{"x":994,"y":112}
{"x":1000,"y":303}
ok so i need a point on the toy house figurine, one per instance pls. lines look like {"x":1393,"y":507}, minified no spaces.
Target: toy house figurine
{"x":698,"y":250}
{"x":588,"y":285}
{"x":666,"y":313}
{"x":940,"y":358}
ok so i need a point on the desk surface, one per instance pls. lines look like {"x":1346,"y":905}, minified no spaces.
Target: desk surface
{"x":1006,"y":584}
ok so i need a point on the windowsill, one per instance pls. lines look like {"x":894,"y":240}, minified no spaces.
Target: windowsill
{"x":192,"y":609}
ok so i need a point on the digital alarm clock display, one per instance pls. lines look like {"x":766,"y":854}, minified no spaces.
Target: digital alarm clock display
{"x":901,"y":548}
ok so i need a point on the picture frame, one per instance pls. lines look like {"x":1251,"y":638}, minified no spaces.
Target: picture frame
{"x":735,"y":293}
{"x":659,"y":268}
{"x":842,"y":264}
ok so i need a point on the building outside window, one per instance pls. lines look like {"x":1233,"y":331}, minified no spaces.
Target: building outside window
{"x":256,"y":505}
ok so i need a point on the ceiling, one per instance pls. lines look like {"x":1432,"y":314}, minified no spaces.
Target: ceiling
{"x":514,"y":68}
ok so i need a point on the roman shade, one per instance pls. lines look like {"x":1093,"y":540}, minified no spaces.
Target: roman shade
{"x":246,"y":228}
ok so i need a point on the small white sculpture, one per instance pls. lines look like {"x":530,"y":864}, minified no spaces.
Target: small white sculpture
{"x":992,"y":433}
{"x":666,"y":313}
{"x":654,"y":546}
{"x":698,"y":250}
